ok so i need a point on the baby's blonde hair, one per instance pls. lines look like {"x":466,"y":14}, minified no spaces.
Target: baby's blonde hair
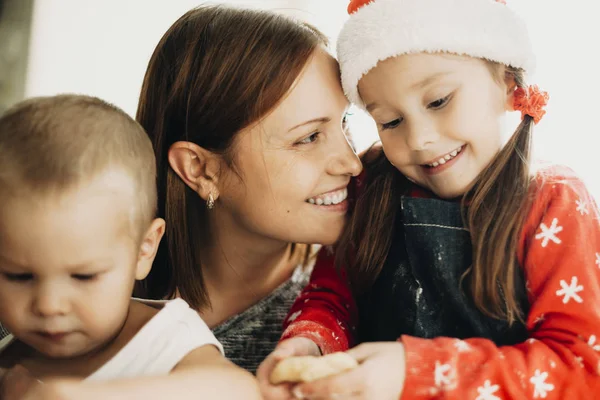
{"x":54,"y":144}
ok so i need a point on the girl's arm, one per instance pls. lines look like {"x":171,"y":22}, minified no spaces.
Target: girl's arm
{"x":204,"y":373}
{"x":325,"y":312}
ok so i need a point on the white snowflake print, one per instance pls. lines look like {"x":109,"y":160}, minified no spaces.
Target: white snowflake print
{"x":462,"y":346}
{"x":579,"y":361}
{"x":444,"y":375}
{"x":521,"y":379}
{"x":549,"y":233}
{"x":552,"y":364}
{"x":531,"y":340}
{"x":598,"y":259}
{"x":582,"y":207}
{"x":540,"y":386}
{"x":486,"y":392}
{"x":540,"y":319}
{"x":570,"y":291}
{"x":295,"y":315}
{"x":592,"y":343}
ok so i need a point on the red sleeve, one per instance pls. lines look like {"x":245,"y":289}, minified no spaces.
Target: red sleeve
{"x":325,"y":311}
{"x":560,"y":253}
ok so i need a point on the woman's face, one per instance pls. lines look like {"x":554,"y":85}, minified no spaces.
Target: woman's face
{"x":291,"y":170}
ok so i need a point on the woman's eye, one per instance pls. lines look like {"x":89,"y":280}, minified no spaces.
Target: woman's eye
{"x":309,"y":139}
{"x":392,"y":124}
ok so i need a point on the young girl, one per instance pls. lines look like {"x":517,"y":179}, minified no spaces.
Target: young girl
{"x":77,"y":229}
{"x":474,"y":270}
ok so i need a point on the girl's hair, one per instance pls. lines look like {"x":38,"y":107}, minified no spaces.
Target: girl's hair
{"x":497,"y":207}
{"x":215,"y":71}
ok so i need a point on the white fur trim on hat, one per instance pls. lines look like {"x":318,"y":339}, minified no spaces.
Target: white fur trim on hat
{"x":386,"y":28}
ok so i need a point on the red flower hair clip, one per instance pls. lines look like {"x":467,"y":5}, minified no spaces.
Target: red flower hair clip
{"x":531,"y":101}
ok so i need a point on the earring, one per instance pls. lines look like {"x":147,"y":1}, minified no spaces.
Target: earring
{"x":210,"y":203}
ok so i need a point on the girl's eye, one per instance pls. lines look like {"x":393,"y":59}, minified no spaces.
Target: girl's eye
{"x":309,"y":139}
{"x":345,"y":119}
{"x":84,"y":277}
{"x":439,"y":103}
{"x":392,"y":124}
{"x":18,"y":277}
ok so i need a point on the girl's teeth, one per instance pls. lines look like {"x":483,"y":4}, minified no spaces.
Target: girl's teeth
{"x":311,"y":201}
{"x":319,"y":202}
{"x":327,"y":201}
{"x":446,"y":158}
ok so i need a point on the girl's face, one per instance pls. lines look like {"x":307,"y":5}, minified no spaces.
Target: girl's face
{"x":291,"y":169}
{"x":440,"y":117}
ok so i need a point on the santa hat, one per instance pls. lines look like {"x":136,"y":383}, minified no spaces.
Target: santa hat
{"x":380,"y":29}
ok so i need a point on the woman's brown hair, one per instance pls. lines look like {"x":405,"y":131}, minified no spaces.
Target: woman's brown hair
{"x":497,"y":206}
{"x":216,"y":71}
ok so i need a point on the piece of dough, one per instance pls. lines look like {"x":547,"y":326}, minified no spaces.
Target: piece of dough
{"x":310,"y":368}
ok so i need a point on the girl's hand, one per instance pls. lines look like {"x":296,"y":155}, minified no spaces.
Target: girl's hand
{"x":297,"y":346}
{"x":380,"y":376}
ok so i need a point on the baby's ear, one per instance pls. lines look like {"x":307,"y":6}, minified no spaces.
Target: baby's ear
{"x":149,"y":247}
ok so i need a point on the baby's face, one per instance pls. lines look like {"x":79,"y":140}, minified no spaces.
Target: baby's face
{"x":68,"y":263}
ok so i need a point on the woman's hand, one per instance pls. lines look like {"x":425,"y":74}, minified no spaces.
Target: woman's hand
{"x":297,"y":346}
{"x":380,"y":376}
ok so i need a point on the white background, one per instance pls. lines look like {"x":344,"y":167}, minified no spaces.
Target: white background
{"x":102,"y":48}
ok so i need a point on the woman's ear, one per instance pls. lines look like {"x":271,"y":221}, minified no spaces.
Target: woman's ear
{"x":197,"y":167}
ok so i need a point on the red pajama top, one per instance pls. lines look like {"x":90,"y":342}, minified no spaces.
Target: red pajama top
{"x":559,"y":250}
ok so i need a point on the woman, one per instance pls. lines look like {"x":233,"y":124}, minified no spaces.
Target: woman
{"x":247,"y":118}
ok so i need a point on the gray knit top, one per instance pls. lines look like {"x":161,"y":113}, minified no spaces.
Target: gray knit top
{"x":3,"y":332}
{"x":249,"y":337}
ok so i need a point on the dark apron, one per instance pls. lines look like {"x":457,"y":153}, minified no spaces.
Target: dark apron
{"x":419,"y":293}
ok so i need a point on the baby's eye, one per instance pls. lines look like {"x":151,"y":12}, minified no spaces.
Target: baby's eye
{"x":18,"y":277}
{"x":84,"y":277}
